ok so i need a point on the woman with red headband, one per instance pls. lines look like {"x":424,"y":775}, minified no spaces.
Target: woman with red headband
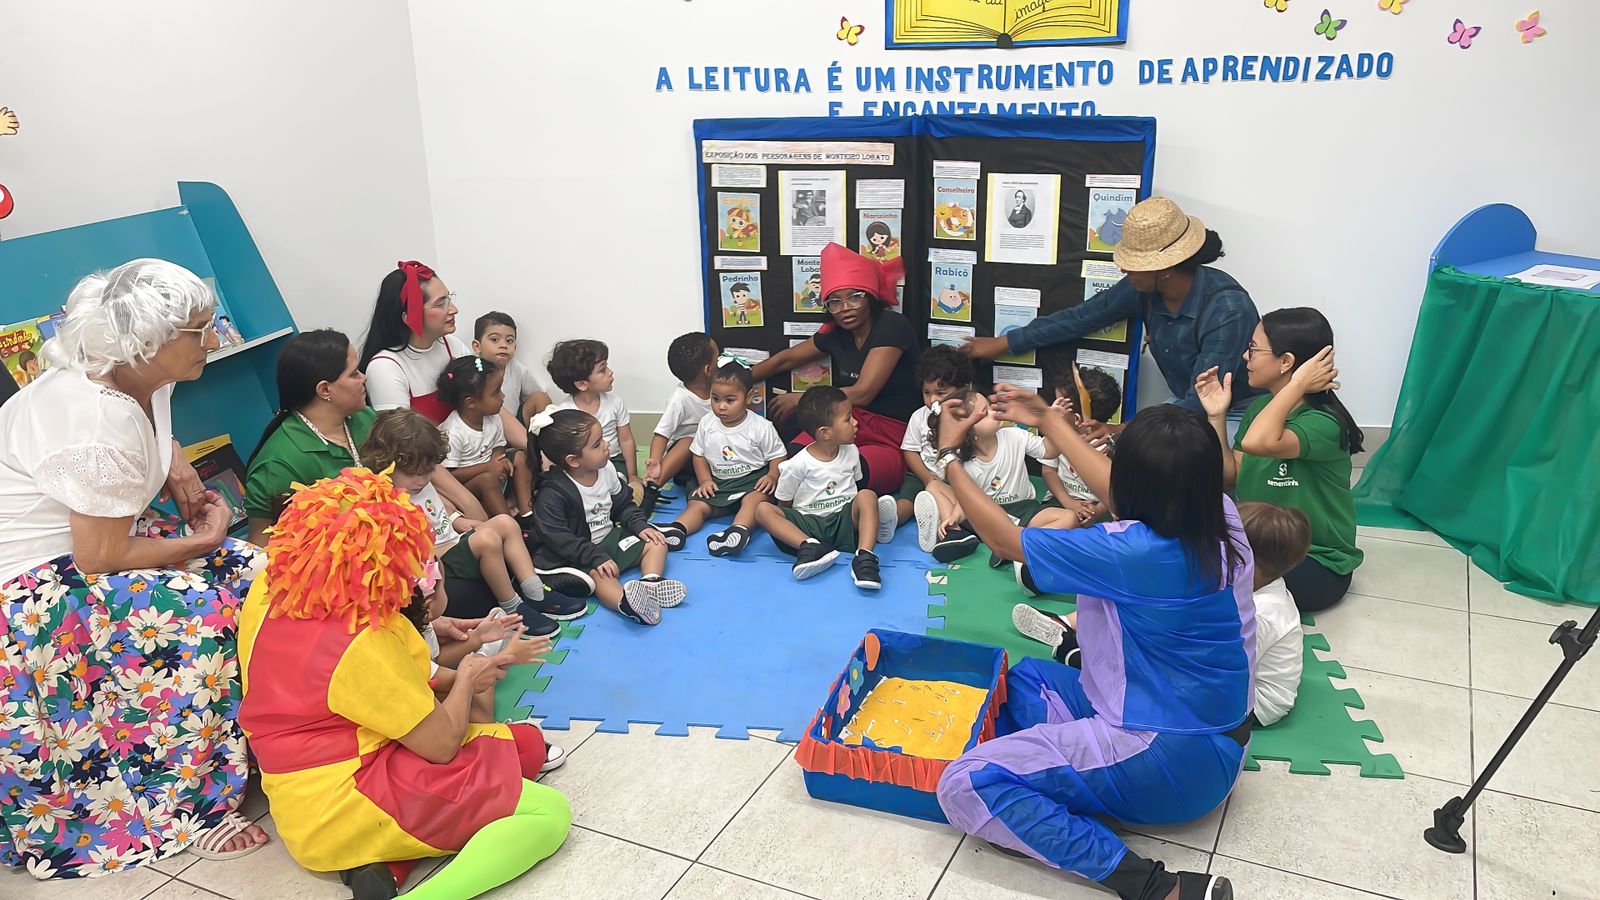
{"x":874,"y":354}
{"x":410,"y":341}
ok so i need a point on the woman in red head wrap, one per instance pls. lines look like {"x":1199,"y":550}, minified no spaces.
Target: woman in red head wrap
{"x":874,"y":352}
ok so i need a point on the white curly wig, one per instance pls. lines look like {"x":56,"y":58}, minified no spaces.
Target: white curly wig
{"x":122,"y":317}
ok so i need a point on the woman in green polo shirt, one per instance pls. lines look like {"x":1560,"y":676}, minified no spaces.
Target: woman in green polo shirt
{"x":1294,"y":445}
{"x":319,"y":427}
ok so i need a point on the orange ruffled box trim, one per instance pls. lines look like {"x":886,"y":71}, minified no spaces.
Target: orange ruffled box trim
{"x":820,"y":751}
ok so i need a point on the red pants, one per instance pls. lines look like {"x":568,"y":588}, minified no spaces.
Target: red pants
{"x":878,"y":438}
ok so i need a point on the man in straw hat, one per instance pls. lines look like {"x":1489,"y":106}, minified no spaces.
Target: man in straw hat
{"x":1195,"y":316}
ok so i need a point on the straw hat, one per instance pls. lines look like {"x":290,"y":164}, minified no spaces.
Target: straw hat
{"x":1157,"y":235}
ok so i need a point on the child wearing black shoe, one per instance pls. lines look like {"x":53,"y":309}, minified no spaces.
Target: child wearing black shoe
{"x":591,"y":528}
{"x":824,"y":512}
{"x":736,"y":456}
{"x":491,"y":551}
{"x":692,"y":359}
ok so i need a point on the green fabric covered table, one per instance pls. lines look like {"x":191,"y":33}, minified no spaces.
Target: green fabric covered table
{"x":1496,"y":438}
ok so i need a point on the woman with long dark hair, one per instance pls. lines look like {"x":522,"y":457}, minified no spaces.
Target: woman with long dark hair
{"x":322,"y":419}
{"x":410,"y":341}
{"x":874,"y":353}
{"x":1294,"y":445}
{"x":1196,"y":317}
{"x":1153,"y":728}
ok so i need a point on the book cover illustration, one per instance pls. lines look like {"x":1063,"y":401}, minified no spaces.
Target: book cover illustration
{"x":1108,"y":209}
{"x":21,"y":349}
{"x":952,"y":292}
{"x":955,"y":204}
{"x":810,"y":375}
{"x":741,"y":299}
{"x":880,"y":234}
{"x":220,"y":469}
{"x":227,"y":333}
{"x":740,"y":215}
{"x":1004,"y":23}
{"x":807,"y":284}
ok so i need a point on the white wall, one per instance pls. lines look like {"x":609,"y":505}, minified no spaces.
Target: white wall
{"x":563,"y":184}
{"x":305,"y":112}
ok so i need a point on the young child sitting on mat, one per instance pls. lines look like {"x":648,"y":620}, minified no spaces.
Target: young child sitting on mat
{"x":582,"y":368}
{"x":941,"y":371}
{"x":475,"y":436}
{"x":736,"y":456}
{"x":995,"y":454}
{"x":591,"y":528}
{"x":691,"y":358}
{"x":1281,"y":538}
{"x":495,"y":339}
{"x":824,"y":511}
{"x":1098,"y":394}
{"x":492,"y":552}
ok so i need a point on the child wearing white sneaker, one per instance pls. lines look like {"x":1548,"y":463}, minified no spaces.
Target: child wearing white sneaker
{"x":735,"y":456}
{"x":591,"y":528}
{"x":824,"y":512}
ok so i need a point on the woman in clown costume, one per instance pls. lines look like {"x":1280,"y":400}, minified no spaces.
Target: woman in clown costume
{"x":365,"y":767}
{"x":1153,"y":728}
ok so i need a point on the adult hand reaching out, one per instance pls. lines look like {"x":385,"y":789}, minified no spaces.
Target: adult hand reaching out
{"x":985,"y":347}
{"x":1017,"y":405}
{"x":781,"y":407}
{"x":956,"y":418}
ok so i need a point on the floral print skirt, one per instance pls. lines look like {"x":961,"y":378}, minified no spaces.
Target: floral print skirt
{"x":119,"y":743}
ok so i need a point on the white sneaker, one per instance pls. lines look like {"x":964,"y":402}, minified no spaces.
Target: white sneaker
{"x":888,"y":520}
{"x":554,"y":758}
{"x":927,"y":513}
{"x":492,"y":648}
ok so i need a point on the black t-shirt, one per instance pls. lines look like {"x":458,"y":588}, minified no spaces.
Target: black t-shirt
{"x":900,"y":395}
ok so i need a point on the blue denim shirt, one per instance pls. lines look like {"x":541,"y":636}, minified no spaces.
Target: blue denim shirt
{"x":1211,"y":328}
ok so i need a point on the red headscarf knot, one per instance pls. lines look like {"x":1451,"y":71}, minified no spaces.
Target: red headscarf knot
{"x":845,"y":269}
{"x":411,"y":292}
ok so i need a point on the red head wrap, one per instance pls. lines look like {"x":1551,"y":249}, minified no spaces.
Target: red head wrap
{"x":411,"y":292}
{"x":844,"y":269}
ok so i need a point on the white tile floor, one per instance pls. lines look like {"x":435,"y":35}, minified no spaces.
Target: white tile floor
{"x":1444,"y":657}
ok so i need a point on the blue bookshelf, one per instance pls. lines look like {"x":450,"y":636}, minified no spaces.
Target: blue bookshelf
{"x":238,"y":392}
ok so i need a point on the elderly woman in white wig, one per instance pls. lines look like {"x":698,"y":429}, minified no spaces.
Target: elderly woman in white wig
{"x":118,"y":674}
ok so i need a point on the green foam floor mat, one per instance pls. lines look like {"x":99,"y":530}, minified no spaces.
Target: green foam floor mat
{"x":519,"y":680}
{"x":1317,"y":733}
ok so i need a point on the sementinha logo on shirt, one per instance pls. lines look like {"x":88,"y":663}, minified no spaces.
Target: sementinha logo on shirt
{"x":1283,"y":479}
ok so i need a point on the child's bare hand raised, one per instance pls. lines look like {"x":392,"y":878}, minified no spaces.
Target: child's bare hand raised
{"x":652,"y":471}
{"x":1017,"y":405}
{"x":480,"y":672}
{"x":487,"y":631}
{"x":1216,"y":397}
{"x":521,"y":650}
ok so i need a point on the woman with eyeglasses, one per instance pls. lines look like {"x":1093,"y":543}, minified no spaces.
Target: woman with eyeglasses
{"x":118,"y":662}
{"x":1294,"y":445}
{"x":873,"y":350}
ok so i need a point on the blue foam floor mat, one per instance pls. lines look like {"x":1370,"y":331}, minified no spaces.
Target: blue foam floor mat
{"x":750,"y":647}
{"x":901,"y":551}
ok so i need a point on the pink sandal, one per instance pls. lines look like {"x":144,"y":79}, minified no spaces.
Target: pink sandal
{"x":210,"y":843}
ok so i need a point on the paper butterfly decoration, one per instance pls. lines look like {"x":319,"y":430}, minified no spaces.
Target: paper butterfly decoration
{"x":1530,"y":28}
{"x":1279,"y":5}
{"x":1394,"y":6}
{"x":1462,"y":36}
{"x":1329,"y":26}
{"x":848,"y":33}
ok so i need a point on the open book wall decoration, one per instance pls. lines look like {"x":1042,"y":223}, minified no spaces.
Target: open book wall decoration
{"x":921,"y":24}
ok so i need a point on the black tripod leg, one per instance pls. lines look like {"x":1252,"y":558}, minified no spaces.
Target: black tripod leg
{"x":1447,"y":820}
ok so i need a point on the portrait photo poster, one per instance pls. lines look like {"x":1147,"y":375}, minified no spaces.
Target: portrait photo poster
{"x":812,"y":211}
{"x":1024,"y":219}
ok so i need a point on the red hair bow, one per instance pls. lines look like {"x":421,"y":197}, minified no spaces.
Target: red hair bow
{"x":411,"y":292}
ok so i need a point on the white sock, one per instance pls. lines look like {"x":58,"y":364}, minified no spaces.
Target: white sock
{"x":532,"y":588}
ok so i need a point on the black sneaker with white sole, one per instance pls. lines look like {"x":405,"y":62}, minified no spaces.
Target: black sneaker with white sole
{"x":888,"y":519}
{"x":1024,"y":580}
{"x":674,"y":532}
{"x":812,"y":558}
{"x":560,"y":607}
{"x":638,"y":604}
{"x":730,"y":542}
{"x":996,"y":561}
{"x":567,"y":580}
{"x":957,"y":544}
{"x":652,"y":496}
{"x":864,"y":570}
{"x":1200,"y":886}
{"x":664,"y":591}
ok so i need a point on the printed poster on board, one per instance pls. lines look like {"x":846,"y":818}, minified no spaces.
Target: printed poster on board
{"x":880,"y":233}
{"x":740,"y":215}
{"x":1108,"y":209}
{"x":951,"y":286}
{"x":1099,"y":277}
{"x":741,"y":299}
{"x":812,"y":374}
{"x":812,"y":210}
{"x":955,"y":209}
{"x":1024,"y":216}
{"x":808,"y":284}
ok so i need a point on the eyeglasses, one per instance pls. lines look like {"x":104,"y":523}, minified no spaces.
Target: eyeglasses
{"x":208,"y":331}
{"x":1251,"y":350}
{"x":443,"y":302}
{"x":853,"y":298}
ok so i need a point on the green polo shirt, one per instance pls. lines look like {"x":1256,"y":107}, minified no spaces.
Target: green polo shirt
{"x":1317,"y":483}
{"x":293,"y":454}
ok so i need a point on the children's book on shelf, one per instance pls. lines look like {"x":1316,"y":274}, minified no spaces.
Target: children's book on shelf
{"x":227,"y":332}
{"x":22,"y":347}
